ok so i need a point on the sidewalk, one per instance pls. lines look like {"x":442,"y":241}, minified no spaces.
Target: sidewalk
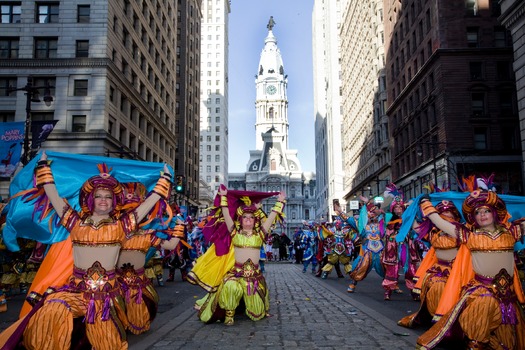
{"x":306,"y":314}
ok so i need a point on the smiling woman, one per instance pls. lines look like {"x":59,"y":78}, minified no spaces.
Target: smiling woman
{"x":488,"y":310}
{"x":86,"y":295}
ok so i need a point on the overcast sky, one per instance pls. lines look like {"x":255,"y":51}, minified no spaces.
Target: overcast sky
{"x":247,"y":31}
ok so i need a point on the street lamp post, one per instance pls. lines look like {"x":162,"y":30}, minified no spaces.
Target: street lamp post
{"x":32,"y":95}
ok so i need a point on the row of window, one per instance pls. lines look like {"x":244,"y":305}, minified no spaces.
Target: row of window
{"x":80,"y":86}
{"x":44,"y":13}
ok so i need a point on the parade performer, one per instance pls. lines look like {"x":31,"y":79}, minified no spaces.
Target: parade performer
{"x":488,"y":311}
{"x":338,"y":244}
{"x":229,"y":270}
{"x":77,"y":279}
{"x":371,"y":228}
{"x":397,"y":255}
{"x":140,"y":296}
{"x":435,"y":268}
{"x":308,"y":239}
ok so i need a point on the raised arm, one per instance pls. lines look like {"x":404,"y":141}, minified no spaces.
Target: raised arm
{"x":276,"y":210}
{"x":161,"y":190}
{"x":44,"y":178}
{"x":432,"y":214}
{"x":225,"y":211}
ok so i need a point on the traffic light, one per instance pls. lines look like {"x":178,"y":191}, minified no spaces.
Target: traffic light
{"x":179,"y":184}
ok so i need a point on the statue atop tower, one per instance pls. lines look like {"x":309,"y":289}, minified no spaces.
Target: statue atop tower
{"x":271,"y":23}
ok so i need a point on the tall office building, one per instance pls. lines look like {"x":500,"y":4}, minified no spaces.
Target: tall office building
{"x":187,"y":104}
{"x":326,"y":23}
{"x":451,"y":94}
{"x":513,"y":18}
{"x":124,"y":77}
{"x":365,"y":141}
{"x":214,"y":96}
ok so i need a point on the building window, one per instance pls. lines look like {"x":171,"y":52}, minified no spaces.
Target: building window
{"x":5,"y":85}
{"x":495,"y":8}
{"x":478,"y":104}
{"x":6,"y":117}
{"x":46,"y":47}
{"x":10,"y":13}
{"x":42,"y":116}
{"x":472,"y":7}
{"x":501,"y":37}
{"x":79,"y":123}
{"x":80,"y":87}
{"x":41,"y":82}
{"x":472,"y":36}
{"x":47,"y":13}
{"x":9,"y":48}
{"x":82,"y":49}
{"x":83,"y":13}
{"x":503,"y":70}
{"x":506,"y":103}
{"x":480,"y":138}
{"x":476,"y":70}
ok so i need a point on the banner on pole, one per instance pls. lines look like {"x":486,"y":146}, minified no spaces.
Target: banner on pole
{"x":11,"y":141}
{"x":40,"y":130}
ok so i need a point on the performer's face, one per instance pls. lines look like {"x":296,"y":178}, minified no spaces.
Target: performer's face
{"x":103,"y":202}
{"x":484,"y":217}
{"x":248,"y":220}
{"x":398,"y":210}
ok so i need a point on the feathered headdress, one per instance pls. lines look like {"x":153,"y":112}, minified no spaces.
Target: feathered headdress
{"x":396,"y":194}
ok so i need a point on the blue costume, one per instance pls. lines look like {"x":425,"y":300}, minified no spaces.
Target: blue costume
{"x":308,"y":240}
{"x":371,"y":231}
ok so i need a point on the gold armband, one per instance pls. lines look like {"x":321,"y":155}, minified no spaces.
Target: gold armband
{"x":278,"y":207}
{"x":178,"y":231}
{"x":163,"y":187}
{"x":224,"y":201}
{"x":427,"y":208}
{"x":43,"y":173}
{"x":343,"y":216}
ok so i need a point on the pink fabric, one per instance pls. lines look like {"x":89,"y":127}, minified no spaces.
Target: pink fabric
{"x":216,"y":232}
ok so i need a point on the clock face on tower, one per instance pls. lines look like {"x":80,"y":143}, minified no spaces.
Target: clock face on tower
{"x":271,"y":89}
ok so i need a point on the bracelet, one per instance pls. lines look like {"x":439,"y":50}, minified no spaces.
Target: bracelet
{"x":224,"y":201}
{"x":43,"y":174}
{"x":163,"y":188}
{"x":427,"y":208}
{"x":178,"y":231}
{"x":278,"y":207}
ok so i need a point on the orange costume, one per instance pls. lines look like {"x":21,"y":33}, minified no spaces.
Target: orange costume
{"x":78,"y":300}
{"x":488,"y":311}
{"x":140,"y":296}
{"x":433,"y":272}
{"x":431,"y":278}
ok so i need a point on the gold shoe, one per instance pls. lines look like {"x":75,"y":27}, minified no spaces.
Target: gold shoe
{"x":228,"y":320}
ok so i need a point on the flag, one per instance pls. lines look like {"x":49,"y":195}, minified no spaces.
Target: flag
{"x":40,"y":130}
{"x":11,"y":141}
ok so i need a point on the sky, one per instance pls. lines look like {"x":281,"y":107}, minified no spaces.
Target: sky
{"x":247,"y":31}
